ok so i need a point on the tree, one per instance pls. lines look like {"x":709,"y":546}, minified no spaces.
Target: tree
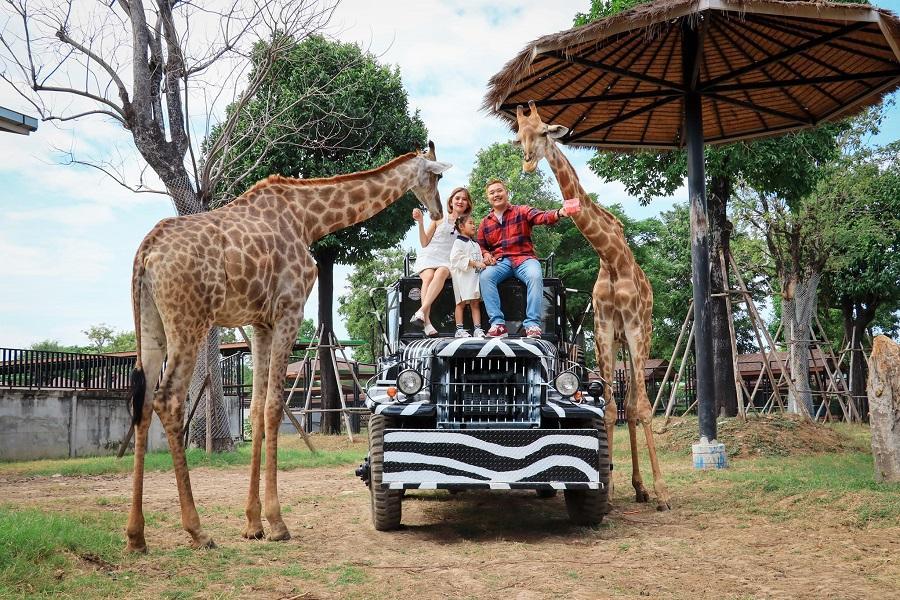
{"x":864,"y":274}
{"x":381,"y":270}
{"x":363,"y":106}
{"x":307,"y":330}
{"x":54,"y":346}
{"x":100,"y":336}
{"x":139,"y":67}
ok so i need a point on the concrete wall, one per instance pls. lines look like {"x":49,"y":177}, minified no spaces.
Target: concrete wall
{"x":66,"y":423}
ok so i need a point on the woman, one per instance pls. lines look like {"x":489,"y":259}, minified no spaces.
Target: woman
{"x":433,"y":262}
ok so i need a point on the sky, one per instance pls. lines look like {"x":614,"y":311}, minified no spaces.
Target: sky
{"x":68,"y":234}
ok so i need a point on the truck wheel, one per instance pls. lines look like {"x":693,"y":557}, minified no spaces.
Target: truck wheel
{"x":386,"y":504}
{"x":588,"y":507}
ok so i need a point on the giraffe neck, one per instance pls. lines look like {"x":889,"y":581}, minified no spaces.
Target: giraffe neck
{"x":600,"y":227}
{"x":326,"y":205}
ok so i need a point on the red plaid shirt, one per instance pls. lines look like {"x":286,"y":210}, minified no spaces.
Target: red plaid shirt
{"x":512,"y":238}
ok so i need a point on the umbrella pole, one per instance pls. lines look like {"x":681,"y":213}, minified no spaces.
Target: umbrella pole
{"x":705,"y":453}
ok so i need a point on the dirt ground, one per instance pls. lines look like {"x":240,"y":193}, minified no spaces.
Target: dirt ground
{"x":489,"y":545}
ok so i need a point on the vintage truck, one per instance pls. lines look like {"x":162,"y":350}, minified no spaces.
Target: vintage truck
{"x":499,"y":414}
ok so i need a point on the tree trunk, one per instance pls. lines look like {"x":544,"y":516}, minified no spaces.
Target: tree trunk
{"x":798,"y":308}
{"x":884,"y":409}
{"x":857,"y":317}
{"x":719,"y":239}
{"x":331,"y":421}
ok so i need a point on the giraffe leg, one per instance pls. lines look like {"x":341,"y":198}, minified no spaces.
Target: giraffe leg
{"x":604,"y":346}
{"x":169,"y":405}
{"x":134,"y":530}
{"x":641,"y":411}
{"x":261,"y":349}
{"x":283,"y":334}
{"x":640,"y":492}
{"x":153,"y":350}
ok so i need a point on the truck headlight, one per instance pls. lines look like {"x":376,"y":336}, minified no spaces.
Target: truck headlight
{"x":566,"y":383}
{"x":409,"y":382}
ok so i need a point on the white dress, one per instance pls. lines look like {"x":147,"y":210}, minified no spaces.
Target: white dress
{"x":437,"y":252}
{"x":465,"y":277}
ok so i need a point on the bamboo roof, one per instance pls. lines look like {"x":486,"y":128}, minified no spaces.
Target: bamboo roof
{"x":766,"y":67}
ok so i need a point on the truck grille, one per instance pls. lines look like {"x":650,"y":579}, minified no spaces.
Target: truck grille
{"x":485,"y":392}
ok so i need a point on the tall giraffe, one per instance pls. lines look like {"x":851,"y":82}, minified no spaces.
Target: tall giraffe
{"x":245,"y":263}
{"x":622,"y":296}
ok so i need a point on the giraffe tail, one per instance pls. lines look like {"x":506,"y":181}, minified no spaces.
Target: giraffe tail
{"x":138,"y":380}
{"x":138,"y":389}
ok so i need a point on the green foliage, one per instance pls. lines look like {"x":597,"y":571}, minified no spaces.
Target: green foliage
{"x":307,"y":330}
{"x":504,"y":161}
{"x":864,"y":265}
{"x":360,"y":110}
{"x":605,"y":8}
{"x":356,"y":306}
{"x":103,"y":338}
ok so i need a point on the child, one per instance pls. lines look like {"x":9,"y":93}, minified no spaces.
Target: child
{"x":465,"y":263}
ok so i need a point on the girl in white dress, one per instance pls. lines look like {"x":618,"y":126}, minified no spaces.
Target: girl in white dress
{"x":465,"y":263}
{"x":433,"y":262}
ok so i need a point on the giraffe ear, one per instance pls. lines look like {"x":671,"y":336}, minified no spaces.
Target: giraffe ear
{"x":436,"y":166}
{"x":515,"y":141}
{"x":554,"y":132}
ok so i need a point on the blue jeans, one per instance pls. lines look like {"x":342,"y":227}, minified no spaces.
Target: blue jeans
{"x":529,"y":273}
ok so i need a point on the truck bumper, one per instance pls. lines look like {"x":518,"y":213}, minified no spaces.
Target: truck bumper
{"x":491,"y":459}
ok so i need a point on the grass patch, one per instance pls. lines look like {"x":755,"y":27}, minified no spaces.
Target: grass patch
{"x":46,"y":554}
{"x":785,"y":488}
{"x":288,"y":458}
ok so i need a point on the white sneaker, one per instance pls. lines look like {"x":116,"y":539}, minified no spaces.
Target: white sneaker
{"x":430,"y":331}
{"x":478,"y":333}
{"x":462,"y":333}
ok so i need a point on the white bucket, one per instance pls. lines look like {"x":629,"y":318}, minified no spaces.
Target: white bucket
{"x":709,"y":455}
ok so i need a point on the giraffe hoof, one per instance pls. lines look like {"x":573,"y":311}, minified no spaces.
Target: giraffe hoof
{"x":204,"y":543}
{"x":252,"y":533}
{"x":663,"y":506}
{"x":641,"y":496}
{"x":136,"y":548}
{"x":279,"y":534}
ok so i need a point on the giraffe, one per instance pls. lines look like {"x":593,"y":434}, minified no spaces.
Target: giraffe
{"x":245,"y":263}
{"x":622,"y":296}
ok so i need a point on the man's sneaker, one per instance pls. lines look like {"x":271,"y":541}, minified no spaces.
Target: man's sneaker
{"x":430,"y":331}
{"x":478,"y":333}
{"x":418,"y":319}
{"x":533,"y":332}
{"x":497,"y":330}
{"x":462,"y":333}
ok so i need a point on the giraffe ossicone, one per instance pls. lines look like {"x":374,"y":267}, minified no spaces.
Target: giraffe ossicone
{"x":247,"y":263}
{"x":622,"y":296}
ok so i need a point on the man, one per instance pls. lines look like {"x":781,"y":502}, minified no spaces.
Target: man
{"x":505,"y":239}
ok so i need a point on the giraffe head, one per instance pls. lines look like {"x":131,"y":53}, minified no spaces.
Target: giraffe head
{"x":425,"y":185}
{"x":535,"y":136}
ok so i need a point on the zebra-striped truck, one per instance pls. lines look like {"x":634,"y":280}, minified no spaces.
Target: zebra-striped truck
{"x":468,"y":413}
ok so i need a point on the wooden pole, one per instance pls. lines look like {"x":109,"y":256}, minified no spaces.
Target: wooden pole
{"x":738,"y":387}
{"x":687,"y":318}
{"x":677,"y":379}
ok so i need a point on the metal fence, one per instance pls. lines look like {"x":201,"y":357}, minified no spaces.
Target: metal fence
{"x":67,"y":370}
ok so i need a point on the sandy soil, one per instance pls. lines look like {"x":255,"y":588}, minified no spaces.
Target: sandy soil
{"x":494,"y":545}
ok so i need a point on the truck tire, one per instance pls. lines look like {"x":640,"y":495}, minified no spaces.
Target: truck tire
{"x":588,"y":507}
{"x":386,"y":504}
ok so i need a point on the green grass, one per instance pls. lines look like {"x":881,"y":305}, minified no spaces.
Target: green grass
{"x":288,"y":458}
{"x":51,"y":555}
{"x":778,"y":487}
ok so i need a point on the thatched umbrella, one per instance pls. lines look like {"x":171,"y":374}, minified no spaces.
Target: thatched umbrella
{"x":678,"y":73}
